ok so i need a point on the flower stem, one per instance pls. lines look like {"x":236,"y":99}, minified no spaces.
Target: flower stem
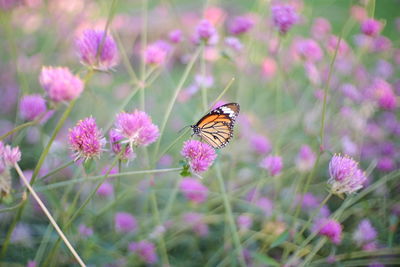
{"x":17,"y":129}
{"x":49,"y":216}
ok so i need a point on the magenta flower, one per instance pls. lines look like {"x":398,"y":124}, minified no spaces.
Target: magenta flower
{"x":200,"y":155}
{"x":365,"y":233}
{"x":386,"y":164}
{"x":86,"y":140}
{"x":244,"y":222}
{"x":240,"y":25}
{"x":175,"y":36}
{"x":196,"y":222}
{"x":60,"y":84}
{"x":155,"y":54}
{"x":266,"y":205}
{"x":371,"y":27}
{"x":345,"y":176}
{"x":284,"y":17}
{"x":136,"y":128}
{"x":206,"y":32}
{"x":234,"y":43}
{"x":383,"y":93}
{"x":125,"y":222}
{"x":309,"y":50}
{"x":85,"y":231}
{"x":97,"y":49}
{"x":116,"y":147}
{"x":11,"y":155}
{"x":193,"y":190}
{"x":260,"y":144}
{"x":106,"y":189}
{"x":321,"y":28}
{"x":31,"y":107}
{"x":273,"y":164}
{"x":330,"y":228}
{"x":31,"y":263}
{"x":145,"y":250}
{"x":305,"y":159}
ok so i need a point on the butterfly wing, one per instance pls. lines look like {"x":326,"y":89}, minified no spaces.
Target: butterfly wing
{"x":216,"y":127}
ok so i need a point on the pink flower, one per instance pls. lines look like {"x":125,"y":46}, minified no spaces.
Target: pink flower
{"x":196,"y":222}
{"x":175,"y":36}
{"x":240,"y":25}
{"x":365,"y":233}
{"x":116,"y":147}
{"x":382,"y":91}
{"x":206,"y":32}
{"x":284,"y":17}
{"x":155,"y":55}
{"x":343,"y":48}
{"x":273,"y":164}
{"x":145,"y":250}
{"x":321,"y":28}
{"x":11,"y":155}
{"x":31,"y":264}
{"x":85,"y":231}
{"x":234,"y":43}
{"x":125,"y":222}
{"x":32,"y":106}
{"x":309,"y":50}
{"x":244,"y":222}
{"x":106,"y":189}
{"x":269,"y":68}
{"x":381,"y":44}
{"x":60,"y":84}
{"x":371,"y":27}
{"x":193,"y":190}
{"x":305,"y":158}
{"x":200,"y":155}
{"x":345,"y":176}
{"x":330,"y":228}
{"x":266,"y":205}
{"x":260,"y":144}
{"x":386,"y":164}
{"x":137,"y":128}
{"x":97,"y":49}
{"x":86,"y":140}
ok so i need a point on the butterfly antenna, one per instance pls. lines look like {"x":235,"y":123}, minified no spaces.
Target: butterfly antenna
{"x":184,"y":128}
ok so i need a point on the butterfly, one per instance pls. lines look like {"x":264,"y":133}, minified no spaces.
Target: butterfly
{"x":216,"y":127}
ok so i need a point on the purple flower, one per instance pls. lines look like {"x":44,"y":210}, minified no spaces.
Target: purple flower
{"x":273,"y":164}
{"x":266,"y":205}
{"x":106,"y":189}
{"x":86,"y":140}
{"x":381,"y":43}
{"x":365,"y":233}
{"x":175,"y":36}
{"x":244,"y":222}
{"x":84,"y":230}
{"x":11,"y":155}
{"x":330,"y":228}
{"x":383,"y":93}
{"x":196,"y":222}
{"x":155,"y":54}
{"x":60,"y":84}
{"x":137,"y":128}
{"x":115,"y":142}
{"x":206,"y":32}
{"x":145,"y":250}
{"x":345,"y":176}
{"x":97,"y":49}
{"x":31,"y":264}
{"x":321,"y":28}
{"x":371,"y":27}
{"x":234,"y":43}
{"x":193,"y":190}
{"x":284,"y":17}
{"x":305,"y":158}
{"x":309,"y":50}
{"x":32,"y":106}
{"x":240,"y":25}
{"x":125,"y":222}
{"x":386,"y":164}
{"x":260,"y":144}
{"x":200,"y":155}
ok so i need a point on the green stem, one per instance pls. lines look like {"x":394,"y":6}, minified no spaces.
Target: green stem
{"x":143,"y":47}
{"x":18,"y":128}
{"x":203,"y":74}
{"x":229,"y":215}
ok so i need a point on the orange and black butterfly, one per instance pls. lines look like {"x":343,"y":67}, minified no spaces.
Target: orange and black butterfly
{"x":216,"y":127}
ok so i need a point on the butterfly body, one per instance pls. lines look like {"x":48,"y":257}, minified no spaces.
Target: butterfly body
{"x":216,"y":127}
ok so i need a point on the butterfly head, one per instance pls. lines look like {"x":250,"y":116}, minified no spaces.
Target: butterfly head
{"x":196,"y":129}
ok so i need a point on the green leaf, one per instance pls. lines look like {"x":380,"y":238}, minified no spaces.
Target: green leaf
{"x":186,"y":171}
{"x":280,"y":239}
{"x":265,"y":259}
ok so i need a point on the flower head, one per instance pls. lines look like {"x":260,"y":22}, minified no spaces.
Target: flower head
{"x":260,"y":144}
{"x":244,"y":222}
{"x":345,"y":176}
{"x":273,"y":164}
{"x":11,"y":155}
{"x":137,"y":128}
{"x":84,"y":230}
{"x":305,"y":159}
{"x":193,"y":190}
{"x":284,"y":17}
{"x":175,"y":36}
{"x":60,"y":84}
{"x":206,"y":32}
{"x":371,"y":27}
{"x":97,"y":49}
{"x":125,"y":222}
{"x":157,"y":52}
{"x":330,"y":228}
{"x":234,"y":43}
{"x":116,"y":147}
{"x":309,"y":50}
{"x":240,"y":25}
{"x":383,"y":93}
{"x":145,"y":250}
{"x":365,"y":233}
{"x":86,"y":139}
{"x":200,"y":155}
{"x":196,"y":222}
{"x":105,"y":189}
{"x":32,"y":106}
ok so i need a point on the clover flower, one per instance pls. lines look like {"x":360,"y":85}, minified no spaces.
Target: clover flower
{"x":206,"y":32}
{"x":240,"y":25}
{"x":284,"y":17}
{"x":125,"y":222}
{"x":193,"y":190}
{"x":200,"y":155}
{"x":273,"y":164}
{"x":145,"y":250}
{"x":32,"y":106}
{"x":365,"y":233}
{"x":371,"y":27}
{"x":330,"y":228}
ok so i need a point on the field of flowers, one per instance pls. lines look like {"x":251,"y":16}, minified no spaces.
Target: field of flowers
{"x":98,"y":166}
